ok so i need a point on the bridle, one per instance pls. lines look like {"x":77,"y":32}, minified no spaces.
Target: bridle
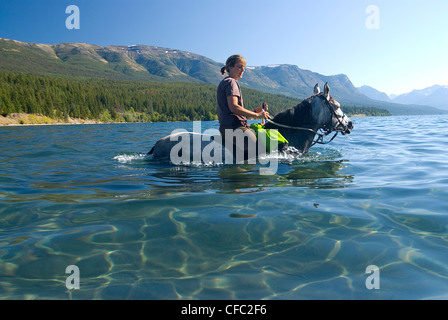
{"x":323,"y":131}
{"x":344,"y":128}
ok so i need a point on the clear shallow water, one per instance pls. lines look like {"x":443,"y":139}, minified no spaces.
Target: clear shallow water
{"x":89,"y":196}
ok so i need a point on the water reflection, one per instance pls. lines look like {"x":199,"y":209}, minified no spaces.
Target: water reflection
{"x":310,"y":172}
{"x":137,"y":177}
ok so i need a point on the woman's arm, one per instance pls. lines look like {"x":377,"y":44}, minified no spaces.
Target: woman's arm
{"x":241,"y":111}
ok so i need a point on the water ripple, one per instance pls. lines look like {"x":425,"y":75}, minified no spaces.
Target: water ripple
{"x":137,"y":229}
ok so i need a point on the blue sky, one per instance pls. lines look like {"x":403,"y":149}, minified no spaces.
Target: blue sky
{"x":407,"y":48}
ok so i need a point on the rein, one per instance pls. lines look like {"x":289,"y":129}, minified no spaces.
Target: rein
{"x":320,"y":136}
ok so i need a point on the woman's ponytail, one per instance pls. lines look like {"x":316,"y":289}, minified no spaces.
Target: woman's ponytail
{"x":223,"y":70}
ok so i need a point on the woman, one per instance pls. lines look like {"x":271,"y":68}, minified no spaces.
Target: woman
{"x":232,"y":115}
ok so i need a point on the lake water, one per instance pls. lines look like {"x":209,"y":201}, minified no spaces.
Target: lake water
{"x":88,"y":196}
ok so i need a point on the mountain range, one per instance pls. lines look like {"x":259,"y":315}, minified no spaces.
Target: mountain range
{"x":436,"y":96}
{"x":150,"y":63}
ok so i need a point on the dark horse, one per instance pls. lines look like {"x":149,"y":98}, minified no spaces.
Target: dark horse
{"x":300,"y":125}
{"x":318,"y":115}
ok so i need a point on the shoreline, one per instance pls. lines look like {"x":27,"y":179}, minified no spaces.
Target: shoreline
{"x":25,"y":119}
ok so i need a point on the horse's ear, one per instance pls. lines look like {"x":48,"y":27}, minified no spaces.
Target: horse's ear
{"x":316,"y":89}
{"x":327,"y":91}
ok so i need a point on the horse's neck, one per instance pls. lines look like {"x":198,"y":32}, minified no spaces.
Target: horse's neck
{"x":296,"y":116}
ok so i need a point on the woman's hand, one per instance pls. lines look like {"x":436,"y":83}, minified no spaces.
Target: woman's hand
{"x":262,"y":111}
{"x":263,"y":115}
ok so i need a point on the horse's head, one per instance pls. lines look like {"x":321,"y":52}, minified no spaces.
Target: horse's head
{"x":318,"y":115}
{"x":327,"y":112}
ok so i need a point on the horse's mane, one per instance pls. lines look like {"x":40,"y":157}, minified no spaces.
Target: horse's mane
{"x":299,"y":115}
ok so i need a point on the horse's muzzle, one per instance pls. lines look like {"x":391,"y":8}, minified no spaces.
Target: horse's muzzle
{"x":345,"y":128}
{"x":349,"y":127}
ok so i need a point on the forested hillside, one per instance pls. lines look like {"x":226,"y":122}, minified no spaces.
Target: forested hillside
{"x":117,"y":101}
{"x":148,"y":63}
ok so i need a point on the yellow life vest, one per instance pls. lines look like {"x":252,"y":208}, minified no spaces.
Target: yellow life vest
{"x":267,"y":135}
